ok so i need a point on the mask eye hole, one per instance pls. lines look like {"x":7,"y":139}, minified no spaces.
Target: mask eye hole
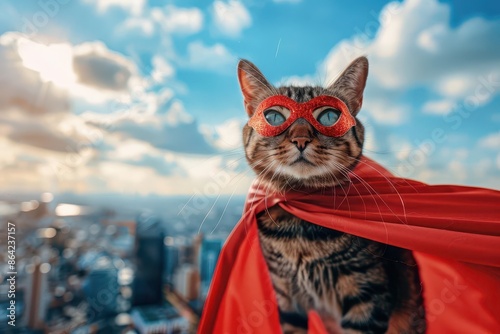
{"x":274,"y":117}
{"x":328,"y":117}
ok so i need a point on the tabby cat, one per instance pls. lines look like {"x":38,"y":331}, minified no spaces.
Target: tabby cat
{"x":354,"y":284}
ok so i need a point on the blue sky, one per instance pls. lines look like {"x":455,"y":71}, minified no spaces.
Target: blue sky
{"x":142,"y":97}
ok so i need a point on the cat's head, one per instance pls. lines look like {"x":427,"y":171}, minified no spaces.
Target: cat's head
{"x":301,"y":156}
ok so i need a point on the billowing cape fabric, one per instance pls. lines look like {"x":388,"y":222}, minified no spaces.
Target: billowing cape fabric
{"x":454,"y":232}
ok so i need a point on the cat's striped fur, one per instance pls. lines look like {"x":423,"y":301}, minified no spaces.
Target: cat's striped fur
{"x":355,"y":285}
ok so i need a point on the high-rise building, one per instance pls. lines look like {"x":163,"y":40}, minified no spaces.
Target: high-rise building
{"x":209,"y":253}
{"x":187,"y":281}
{"x":149,"y":261}
{"x":101,"y":290}
{"x":171,"y":261}
{"x":197,"y":241}
{"x":156,"y":319}
{"x":37,"y":296}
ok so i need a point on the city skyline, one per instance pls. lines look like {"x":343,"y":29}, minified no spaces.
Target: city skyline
{"x":84,"y":269}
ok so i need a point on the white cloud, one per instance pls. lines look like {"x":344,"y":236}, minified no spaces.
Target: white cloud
{"x":25,"y":84}
{"x":226,"y":136}
{"x":39,"y":134}
{"x":458,"y":170}
{"x":128,"y":149}
{"x":144,"y":137}
{"x":156,"y":118}
{"x":42,"y":152}
{"x":296,"y":80}
{"x":427,"y":39}
{"x":144,"y":25}
{"x":452,"y":57}
{"x":96,"y":66}
{"x":123,"y":177}
{"x":179,"y":20}
{"x":215,"y":57}
{"x":169,"y":172}
{"x":454,"y":86}
{"x":231,"y":17}
{"x":202,"y":178}
{"x":491,"y":141}
{"x":401,"y":148}
{"x":439,"y":107}
{"x":177,"y":114}
{"x":53,"y":62}
{"x":44,"y":77}
{"x":443,"y":164}
{"x":384,"y":112}
{"x":34,"y":100}
{"x":134,"y":7}
{"x":414,"y":46}
{"x":174,"y":130}
{"x":43,"y":139}
{"x":162,"y":69}
{"x":166,"y":20}
{"x":89,"y":71}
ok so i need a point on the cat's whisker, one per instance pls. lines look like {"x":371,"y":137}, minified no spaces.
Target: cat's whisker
{"x":395,"y":189}
{"x":208,"y":213}
{"x":223,"y":211}
{"x":235,"y":181}
{"x":341,"y":186}
{"x":378,"y":172}
{"x":267,"y":192}
{"x":348,"y":173}
{"x":235,"y":161}
{"x":259,"y":179}
{"x":252,"y":166}
{"x":371,"y":190}
{"x":381,"y":220}
{"x":229,"y":199}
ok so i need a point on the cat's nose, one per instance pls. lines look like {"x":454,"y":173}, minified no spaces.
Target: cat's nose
{"x":301,"y":142}
{"x":300,"y":133}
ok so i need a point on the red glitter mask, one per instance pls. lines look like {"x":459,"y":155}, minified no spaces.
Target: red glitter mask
{"x":304,"y":110}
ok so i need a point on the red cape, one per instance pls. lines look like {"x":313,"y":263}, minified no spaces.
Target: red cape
{"x":454,"y":232}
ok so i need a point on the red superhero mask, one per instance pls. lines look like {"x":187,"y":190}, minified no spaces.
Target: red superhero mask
{"x":333,"y":121}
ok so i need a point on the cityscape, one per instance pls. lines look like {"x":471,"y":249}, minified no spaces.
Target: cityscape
{"x":80,"y":268}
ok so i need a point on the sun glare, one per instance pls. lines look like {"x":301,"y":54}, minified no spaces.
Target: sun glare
{"x":54,"y":62}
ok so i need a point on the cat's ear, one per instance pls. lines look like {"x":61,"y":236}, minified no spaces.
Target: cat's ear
{"x":351,"y":84}
{"x":253,"y":84}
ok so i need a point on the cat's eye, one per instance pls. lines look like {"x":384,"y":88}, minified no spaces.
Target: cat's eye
{"x":328,"y":117}
{"x":274,"y":117}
